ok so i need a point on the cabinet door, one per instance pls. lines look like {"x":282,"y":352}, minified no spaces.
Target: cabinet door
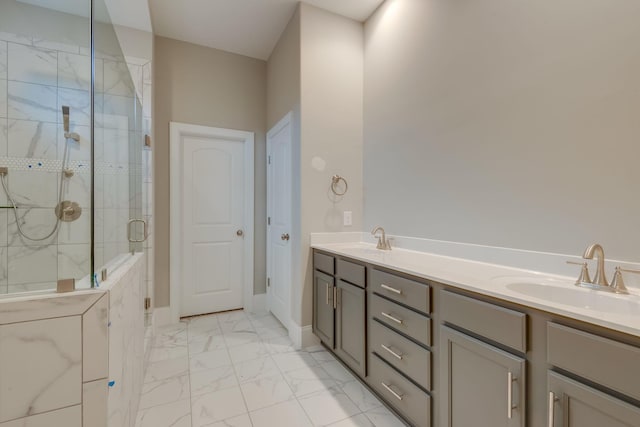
{"x":350,"y":326}
{"x":572,"y":404}
{"x":482,"y":385}
{"x":323,"y":285}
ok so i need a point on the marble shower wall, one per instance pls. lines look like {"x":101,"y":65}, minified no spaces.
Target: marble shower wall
{"x":36,"y":78}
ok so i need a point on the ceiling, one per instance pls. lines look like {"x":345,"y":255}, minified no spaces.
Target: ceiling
{"x":245,"y":27}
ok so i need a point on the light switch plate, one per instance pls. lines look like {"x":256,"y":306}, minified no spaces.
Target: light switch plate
{"x":348,"y":218}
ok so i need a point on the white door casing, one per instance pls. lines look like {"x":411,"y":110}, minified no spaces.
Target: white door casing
{"x":211,"y":219}
{"x":279,"y":226}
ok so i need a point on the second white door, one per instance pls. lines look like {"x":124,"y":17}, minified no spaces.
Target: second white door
{"x":212,"y":222}
{"x":279,"y":205}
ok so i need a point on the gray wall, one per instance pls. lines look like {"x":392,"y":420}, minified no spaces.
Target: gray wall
{"x":283,"y":96}
{"x":209,"y":87}
{"x":315,"y":71}
{"x":332,"y":62}
{"x":505,"y":123}
{"x":283,"y":73}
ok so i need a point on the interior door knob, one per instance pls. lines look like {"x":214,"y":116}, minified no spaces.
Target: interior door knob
{"x":285,"y":236}
{"x":239,"y":233}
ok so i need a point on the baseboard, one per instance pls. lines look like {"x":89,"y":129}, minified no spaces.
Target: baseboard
{"x":162,"y":316}
{"x":308,"y":337}
{"x":259,"y":303}
{"x":302,"y":337}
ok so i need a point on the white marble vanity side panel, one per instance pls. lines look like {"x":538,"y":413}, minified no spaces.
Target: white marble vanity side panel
{"x":67,"y":417}
{"x":94,"y":403}
{"x":41,"y":367}
{"x":95,"y":341}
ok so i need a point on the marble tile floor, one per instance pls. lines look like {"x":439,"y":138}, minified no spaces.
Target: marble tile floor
{"x":238,"y":369}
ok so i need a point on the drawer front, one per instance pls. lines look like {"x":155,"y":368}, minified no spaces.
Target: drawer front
{"x":408,"y":292}
{"x":324,"y":263}
{"x":610,"y":363}
{"x":413,"y":324}
{"x":405,"y":355}
{"x":496,"y":323}
{"x":350,"y":272}
{"x":411,"y":402}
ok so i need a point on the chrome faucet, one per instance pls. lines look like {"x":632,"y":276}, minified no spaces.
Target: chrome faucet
{"x":383,"y":242}
{"x":589,"y":253}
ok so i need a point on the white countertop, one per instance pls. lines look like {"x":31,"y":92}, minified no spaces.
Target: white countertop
{"x":551,"y":293}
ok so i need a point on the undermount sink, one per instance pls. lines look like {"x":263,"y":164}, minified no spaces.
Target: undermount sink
{"x":551,"y":290}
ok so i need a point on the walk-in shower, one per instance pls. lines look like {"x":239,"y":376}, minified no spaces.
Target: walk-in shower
{"x":72,"y":132}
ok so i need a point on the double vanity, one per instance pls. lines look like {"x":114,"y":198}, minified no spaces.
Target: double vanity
{"x":449,"y":342}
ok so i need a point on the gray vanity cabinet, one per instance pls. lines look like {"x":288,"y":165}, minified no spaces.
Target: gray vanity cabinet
{"x":446,"y":357}
{"x":350,"y":318}
{"x":481,"y":384}
{"x":339,"y":308}
{"x":596,"y":362}
{"x":323,"y":320}
{"x":573,"y":404}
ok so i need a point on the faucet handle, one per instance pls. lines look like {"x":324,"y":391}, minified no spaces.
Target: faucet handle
{"x":617,"y":285}
{"x":584,"y":273}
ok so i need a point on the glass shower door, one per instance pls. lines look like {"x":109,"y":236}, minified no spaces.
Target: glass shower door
{"x":118,"y":230}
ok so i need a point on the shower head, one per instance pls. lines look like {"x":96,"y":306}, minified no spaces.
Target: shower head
{"x":65,"y":117}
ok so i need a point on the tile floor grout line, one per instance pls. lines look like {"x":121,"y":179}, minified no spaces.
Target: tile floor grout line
{"x":270,"y":356}
{"x":244,"y":399}
{"x":236,"y":377}
{"x":189,"y":370}
{"x":318,"y":365}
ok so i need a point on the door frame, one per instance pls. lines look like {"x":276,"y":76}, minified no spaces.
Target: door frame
{"x":176,"y":131}
{"x":286,"y":120}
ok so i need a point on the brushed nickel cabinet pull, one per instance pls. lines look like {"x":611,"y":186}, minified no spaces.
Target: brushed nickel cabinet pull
{"x":393,"y":353}
{"x":392,"y":318}
{"x":327,"y":289}
{"x":390,"y":289}
{"x":552,"y":406}
{"x":390,"y":390}
{"x":510,"y":407}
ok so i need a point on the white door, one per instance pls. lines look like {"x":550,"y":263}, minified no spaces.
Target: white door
{"x":212,"y":224}
{"x":279,"y":177}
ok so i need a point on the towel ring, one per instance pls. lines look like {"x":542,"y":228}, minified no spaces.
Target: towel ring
{"x":335,"y":180}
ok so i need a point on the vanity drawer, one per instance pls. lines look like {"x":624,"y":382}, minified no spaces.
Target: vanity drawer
{"x":600,"y":360}
{"x":496,"y":323}
{"x":413,"y":324}
{"x":324,"y":263}
{"x":408,"y":292}
{"x":405,"y":355}
{"x":350,"y":272}
{"x":411,"y":402}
